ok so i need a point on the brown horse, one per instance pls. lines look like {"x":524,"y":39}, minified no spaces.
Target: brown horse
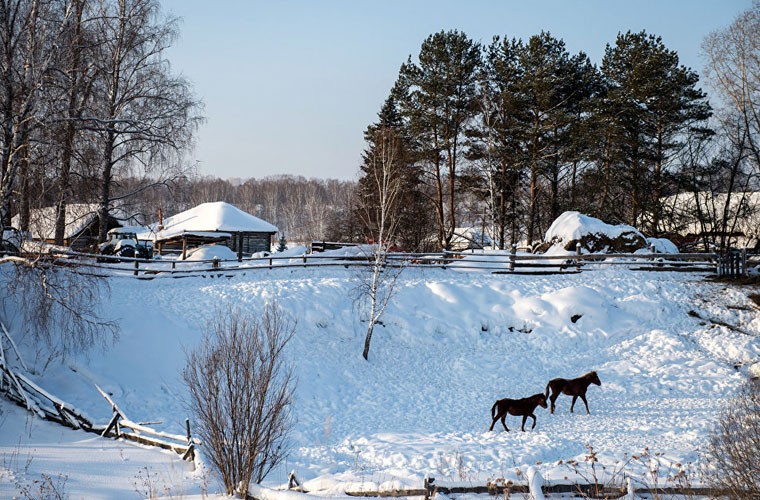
{"x":575,"y":387}
{"x":519,"y":407}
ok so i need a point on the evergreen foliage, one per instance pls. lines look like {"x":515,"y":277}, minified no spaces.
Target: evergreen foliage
{"x":512,"y":134}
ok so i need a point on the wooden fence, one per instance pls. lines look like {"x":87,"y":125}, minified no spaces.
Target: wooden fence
{"x":587,"y":490}
{"x":510,"y":263}
{"x":21,"y":390}
{"x":504,"y":489}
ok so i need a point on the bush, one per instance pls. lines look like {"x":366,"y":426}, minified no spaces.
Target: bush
{"x":241,"y":393}
{"x":734,"y":447}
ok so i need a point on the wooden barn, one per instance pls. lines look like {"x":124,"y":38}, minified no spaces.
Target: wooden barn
{"x":81,"y":229}
{"x":213,"y":223}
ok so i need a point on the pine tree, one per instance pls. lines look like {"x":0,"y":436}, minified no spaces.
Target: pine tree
{"x":495,"y":141}
{"x":654,"y":101}
{"x":437,"y":99}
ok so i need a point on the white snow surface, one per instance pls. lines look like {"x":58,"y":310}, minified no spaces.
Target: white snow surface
{"x":450,"y":344}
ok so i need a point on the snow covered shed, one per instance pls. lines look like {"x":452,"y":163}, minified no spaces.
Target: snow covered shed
{"x":214,"y":223}
{"x":80,"y":230}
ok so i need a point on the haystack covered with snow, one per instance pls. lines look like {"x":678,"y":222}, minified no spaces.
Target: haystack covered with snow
{"x":594,"y":235}
{"x":215,"y":222}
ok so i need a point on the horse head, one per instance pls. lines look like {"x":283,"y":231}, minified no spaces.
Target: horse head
{"x":541,"y":398}
{"x":594,"y":378}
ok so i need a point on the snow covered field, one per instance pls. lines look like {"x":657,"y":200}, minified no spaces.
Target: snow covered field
{"x":452,"y":342}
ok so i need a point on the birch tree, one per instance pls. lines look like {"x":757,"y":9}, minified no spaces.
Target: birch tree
{"x":383,"y":186}
{"x":145,"y":115}
{"x":26,"y":54}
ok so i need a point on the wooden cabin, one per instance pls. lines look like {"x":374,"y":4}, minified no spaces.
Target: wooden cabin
{"x":213,"y":223}
{"x":81,"y":229}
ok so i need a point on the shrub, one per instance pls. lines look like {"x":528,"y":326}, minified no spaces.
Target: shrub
{"x":241,"y":392}
{"x":734,"y":446}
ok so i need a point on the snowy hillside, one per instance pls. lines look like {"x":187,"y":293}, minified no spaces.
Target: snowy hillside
{"x":452,"y":343}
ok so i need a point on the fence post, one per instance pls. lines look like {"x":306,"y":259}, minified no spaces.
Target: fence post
{"x":512,"y":257}
{"x":137,"y":267}
{"x":215,"y":263}
{"x":578,"y":253}
{"x":744,"y":262}
{"x":429,"y":485}
{"x":190,"y":453}
{"x":304,"y":260}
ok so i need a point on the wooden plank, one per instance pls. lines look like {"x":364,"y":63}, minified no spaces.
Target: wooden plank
{"x":113,"y":405}
{"x":154,"y":442}
{"x":385,"y":493}
{"x":147,"y":430}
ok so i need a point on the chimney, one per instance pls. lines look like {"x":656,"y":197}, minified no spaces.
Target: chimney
{"x":160,"y":219}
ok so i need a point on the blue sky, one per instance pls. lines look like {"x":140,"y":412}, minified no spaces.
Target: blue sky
{"x":289,"y":86}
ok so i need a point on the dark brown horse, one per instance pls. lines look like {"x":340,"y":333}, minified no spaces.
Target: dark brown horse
{"x":519,"y":407}
{"x":575,"y":387}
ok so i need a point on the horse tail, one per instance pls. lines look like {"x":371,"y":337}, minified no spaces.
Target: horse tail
{"x":547,"y":388}
{"x":493,"y":409}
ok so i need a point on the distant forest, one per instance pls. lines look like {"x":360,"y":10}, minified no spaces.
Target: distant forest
{"x":503,"y":136}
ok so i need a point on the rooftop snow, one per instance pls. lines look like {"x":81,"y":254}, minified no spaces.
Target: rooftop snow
{"x":213,"y":217}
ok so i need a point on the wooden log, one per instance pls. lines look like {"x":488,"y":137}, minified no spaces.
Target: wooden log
{"x":113,"y":405}
{"x":137,"y":438}
{"x":111,"y":425}
{"x":140,"y":429}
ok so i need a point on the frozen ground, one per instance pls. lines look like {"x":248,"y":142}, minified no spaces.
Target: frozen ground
{"x":451,"y":343}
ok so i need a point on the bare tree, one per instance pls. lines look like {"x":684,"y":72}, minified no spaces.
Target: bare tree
{"x":70,"y":94}
{"x":58,"y":305}
{"x":26,"y":54}
{"x":733,"y":69}
{"x":385,"y":179}
{"x":734,"y":446}
{"x":241,"y":392}
{"x":145,"y":116}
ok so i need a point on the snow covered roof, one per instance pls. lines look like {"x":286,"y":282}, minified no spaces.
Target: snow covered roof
{"x":78,"y":217}
{"x":213,"y":217}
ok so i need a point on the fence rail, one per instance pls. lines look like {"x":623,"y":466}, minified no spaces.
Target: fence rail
{"x":586,"y":490}
{"x":496,"y":263}
{"x":504,"y":488}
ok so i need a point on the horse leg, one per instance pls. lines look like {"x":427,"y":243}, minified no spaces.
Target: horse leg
{"x":573,"y":403}
{"x":503,"y":421}
{"x":583,"y":397}
{"x":534,"y":421}
{"x":522,"y":427}
{"x":493,"y":422}
{"x":553,"y":398}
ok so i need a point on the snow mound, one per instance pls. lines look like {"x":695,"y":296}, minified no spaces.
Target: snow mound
{"x":208,"y":252}
{"x":662,"y":245}
{"x":594,"y":235}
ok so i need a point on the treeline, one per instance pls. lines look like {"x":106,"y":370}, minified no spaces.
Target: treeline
{"x":302,"y":209}
{"x":503,"y":136}
{"x":510,"y":134}
{"x":89,"y":106}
